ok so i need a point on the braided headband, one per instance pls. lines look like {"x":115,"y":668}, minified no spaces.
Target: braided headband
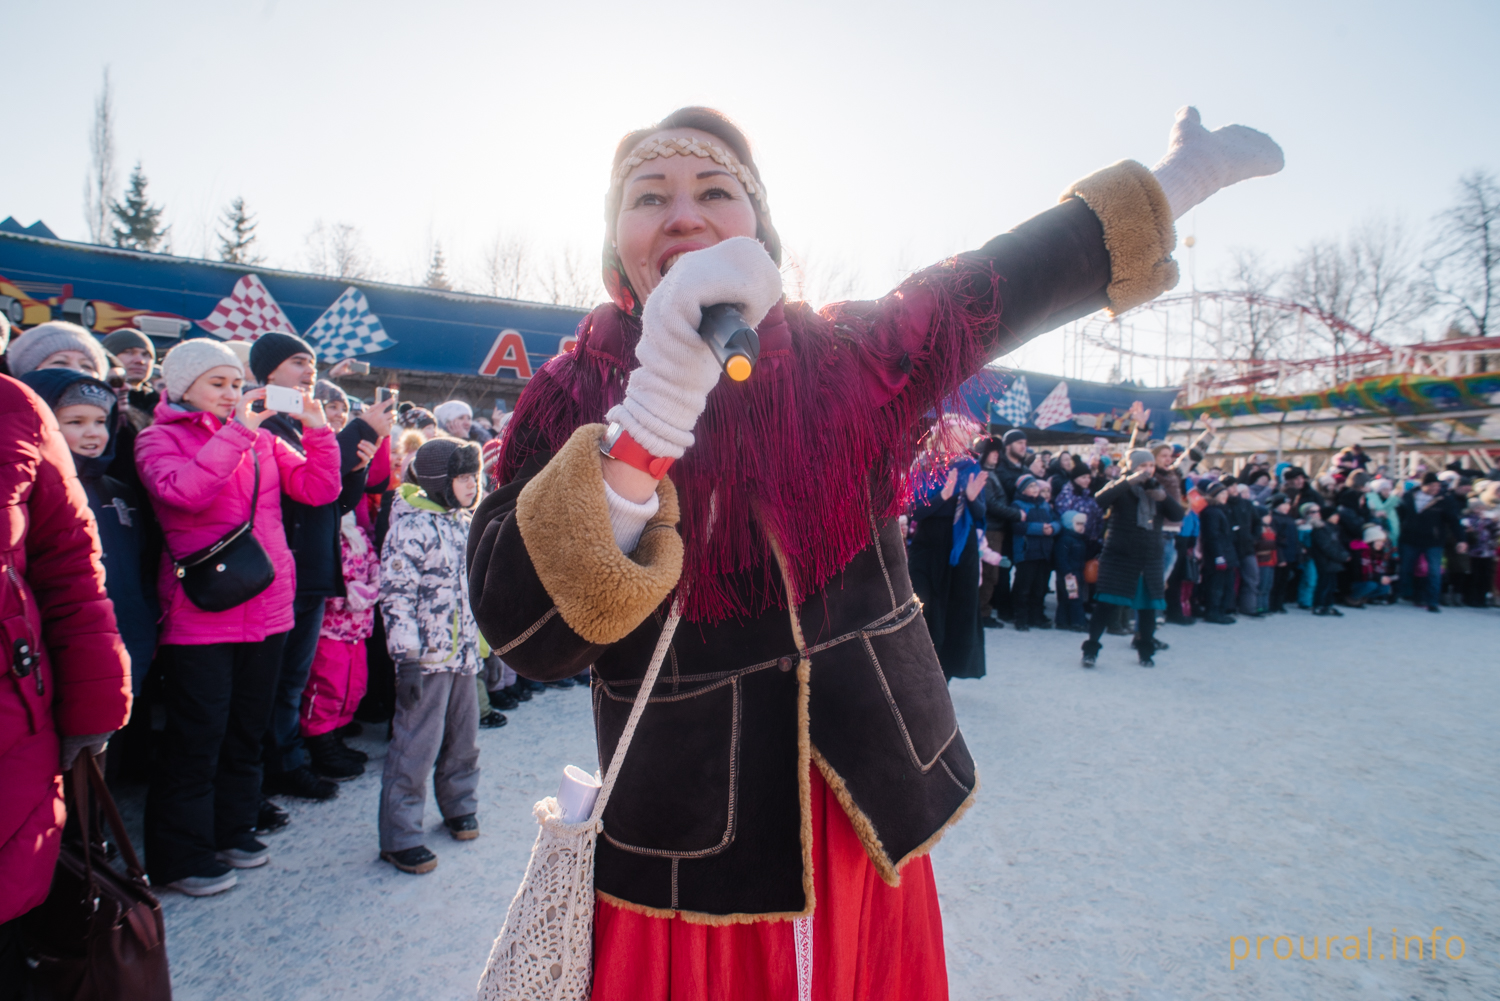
{"x":654,"y":148}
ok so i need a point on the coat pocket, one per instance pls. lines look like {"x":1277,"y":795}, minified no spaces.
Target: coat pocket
{"x":677,"y":792}
{"x":21,"y":653}
{"x":903,"y":662}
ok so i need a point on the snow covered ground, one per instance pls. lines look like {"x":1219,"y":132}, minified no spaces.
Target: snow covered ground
{"x":1292,"y":777}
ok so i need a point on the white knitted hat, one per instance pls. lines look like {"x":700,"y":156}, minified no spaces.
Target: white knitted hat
{"x":445,"y":412}
{"x":192,"y":358}
{"x":30,"y":349}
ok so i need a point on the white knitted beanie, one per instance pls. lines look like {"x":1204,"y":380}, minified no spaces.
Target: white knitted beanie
{"x":445,"y":412}
{"x":36,"y":345}
{"x":192,"y":358}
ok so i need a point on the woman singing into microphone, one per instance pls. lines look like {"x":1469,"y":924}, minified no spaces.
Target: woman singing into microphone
{"x":799,"y":756}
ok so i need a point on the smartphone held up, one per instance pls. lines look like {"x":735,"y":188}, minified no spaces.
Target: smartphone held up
{"x":283,"y":400}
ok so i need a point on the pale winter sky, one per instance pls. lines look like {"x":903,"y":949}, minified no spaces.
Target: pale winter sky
{"x":889,"y":134}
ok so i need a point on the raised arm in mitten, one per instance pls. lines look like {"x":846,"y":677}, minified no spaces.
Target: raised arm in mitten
{"x":1108,"y":245}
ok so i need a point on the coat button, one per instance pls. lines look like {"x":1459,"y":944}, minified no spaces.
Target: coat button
{"x":785,"y":663}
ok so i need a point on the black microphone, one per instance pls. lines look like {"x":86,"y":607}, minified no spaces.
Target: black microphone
{"x":733,"y":341}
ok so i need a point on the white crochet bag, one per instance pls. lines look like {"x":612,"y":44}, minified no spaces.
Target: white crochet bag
{"x":546,"y":948}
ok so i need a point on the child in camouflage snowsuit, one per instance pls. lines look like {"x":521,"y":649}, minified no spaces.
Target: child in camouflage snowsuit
{"x":434,"y":642}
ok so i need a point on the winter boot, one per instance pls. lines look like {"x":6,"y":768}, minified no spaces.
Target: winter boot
{"x":1091,"y":652}
{"x":414,"y":860}
{"x":465,"y":828}
{"x":329,"y":760}
{"x":353,"y":752}
{"x":270,"y":818}
{"x":301,"y":783}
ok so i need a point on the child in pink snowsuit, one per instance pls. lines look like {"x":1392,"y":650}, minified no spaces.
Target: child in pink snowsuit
{"x":339,"y":673}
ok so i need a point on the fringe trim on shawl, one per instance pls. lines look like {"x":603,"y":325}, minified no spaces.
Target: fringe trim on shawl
{"x":840,"y":401}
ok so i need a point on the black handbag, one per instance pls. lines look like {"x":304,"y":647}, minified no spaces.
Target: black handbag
{"x":99,"y":935}
{"x":1193,"y":572}
{"x":231,"y":571}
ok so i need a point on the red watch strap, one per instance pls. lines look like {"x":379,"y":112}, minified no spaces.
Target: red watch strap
{"x":632,"y":453}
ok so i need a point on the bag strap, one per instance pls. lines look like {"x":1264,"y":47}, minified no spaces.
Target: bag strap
{"x":255,"y":491}
{"x":647,"y":683}
{"x":254,"y":500}
{"x":86,"y":776}
{"x":81,"y":808}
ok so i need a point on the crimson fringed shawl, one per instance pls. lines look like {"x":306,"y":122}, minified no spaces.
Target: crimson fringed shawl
{"x":838,"y":402}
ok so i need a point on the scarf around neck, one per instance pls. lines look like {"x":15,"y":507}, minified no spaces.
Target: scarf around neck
{"x":1145,"y":505}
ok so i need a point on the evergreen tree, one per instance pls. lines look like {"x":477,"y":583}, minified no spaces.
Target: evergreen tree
{"x":139,"y":222}
{"x":235,"y":246}
{"x":437,"y":271}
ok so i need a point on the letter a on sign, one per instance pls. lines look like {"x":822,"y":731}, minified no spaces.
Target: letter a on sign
{"x":508,"y":351}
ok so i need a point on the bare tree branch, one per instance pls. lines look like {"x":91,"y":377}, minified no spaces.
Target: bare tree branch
{"x":821,"y":281}
{"x":339,"y":251}
{"x":572,"y":282}
{"x":1252,"y":329}
{"x":1463,"y":270}
{"x":506,"y":266}
{"x":1369,"y":281}
{"x":99,"y":186}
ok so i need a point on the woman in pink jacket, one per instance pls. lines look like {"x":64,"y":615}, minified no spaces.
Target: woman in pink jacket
{"x":198,"y":462}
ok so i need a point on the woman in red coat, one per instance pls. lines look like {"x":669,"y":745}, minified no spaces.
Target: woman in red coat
{"x":67,"y":676}
{"x":769,"y":830}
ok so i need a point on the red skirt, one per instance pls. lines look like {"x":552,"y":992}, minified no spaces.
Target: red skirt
{"x":868,"y":942}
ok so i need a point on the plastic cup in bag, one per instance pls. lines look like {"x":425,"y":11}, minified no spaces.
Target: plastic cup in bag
{"x":576,"y":794}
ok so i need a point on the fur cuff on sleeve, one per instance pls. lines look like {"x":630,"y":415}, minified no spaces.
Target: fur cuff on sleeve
{"x":1138,"y":231}
{"x":601,"y":593}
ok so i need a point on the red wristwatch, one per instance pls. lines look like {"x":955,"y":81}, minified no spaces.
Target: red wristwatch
{"x":617,"y":444}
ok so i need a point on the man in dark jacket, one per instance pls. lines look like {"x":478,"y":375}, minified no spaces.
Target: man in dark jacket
{"x":1297,"y":490}
{"x":1002,"y":459}
{"x":1288,"y":549}
{"x":312,"y":533}
{"x":1428,"y":518}
{"x":995,"y":581}
{"x":1245,"y":524}
{"x":1329,"y":553}
{"x":1220,"y":556}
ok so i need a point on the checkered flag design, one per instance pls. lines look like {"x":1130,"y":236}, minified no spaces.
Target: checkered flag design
{"x":348,"y":328}
{"x":1015,"y":406}
{"x":246,"y":313}
{"x":1056,"y":408}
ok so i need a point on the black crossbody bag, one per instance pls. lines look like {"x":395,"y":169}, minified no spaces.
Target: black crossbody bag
{"x":231,"y":571}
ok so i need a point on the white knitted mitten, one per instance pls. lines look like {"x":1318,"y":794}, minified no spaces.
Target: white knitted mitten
{"x":668,"y":391}
{"x":1200,"y":162}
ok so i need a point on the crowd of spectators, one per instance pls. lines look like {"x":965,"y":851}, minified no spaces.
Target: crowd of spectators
{"x":997,"y":527}
{"x":223,"y":566}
